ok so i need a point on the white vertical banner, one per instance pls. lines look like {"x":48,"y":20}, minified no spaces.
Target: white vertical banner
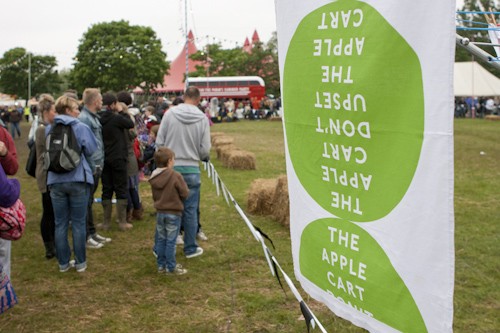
{"x":368,"y":117}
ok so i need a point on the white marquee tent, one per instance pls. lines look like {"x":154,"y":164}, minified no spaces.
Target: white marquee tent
{"x":471,"y":79}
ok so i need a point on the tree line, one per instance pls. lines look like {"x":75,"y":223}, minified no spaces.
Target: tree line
{"x":117,"y":56}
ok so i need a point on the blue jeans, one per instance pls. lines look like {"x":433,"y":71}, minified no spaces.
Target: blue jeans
{"x":134,"y":200}
{"x":70,"y":204}
{"x":190,"y":214}
{"x":167,"y":229}
{"x":14,"y":127}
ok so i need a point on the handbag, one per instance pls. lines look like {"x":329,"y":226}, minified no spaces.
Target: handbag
{"x":12,"y":221}
{"x":8,"y":297}
{"x":31,"y":162}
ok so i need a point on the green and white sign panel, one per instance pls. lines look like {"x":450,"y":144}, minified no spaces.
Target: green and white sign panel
{"x":368,"y":118}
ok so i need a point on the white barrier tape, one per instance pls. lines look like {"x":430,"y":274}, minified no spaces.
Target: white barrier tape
{"x":268,"y":254}
{"x":224,"y":192}
{"x":217,"y":184}
{"x":297,"y":294}
{"x":213,"y":175}
{"x":247,"y":221}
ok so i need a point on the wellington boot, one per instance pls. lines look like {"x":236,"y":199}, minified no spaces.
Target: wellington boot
{"x":50,"y":250}
{"x":107,"y":210}
{"x":137,"y":213}
{"x":121,"y":211}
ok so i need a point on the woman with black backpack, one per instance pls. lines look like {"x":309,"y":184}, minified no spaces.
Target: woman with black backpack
{"x":70,"y":189}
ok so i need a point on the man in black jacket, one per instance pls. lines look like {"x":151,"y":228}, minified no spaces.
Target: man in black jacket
{"x":114,"y":173}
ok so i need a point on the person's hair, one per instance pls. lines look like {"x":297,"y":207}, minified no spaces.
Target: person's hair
{"x":149,"y":108}
{"x":162,"y":156}
{"x":124,"y":97}
{"x":90,"y":95}
{"x":177,"y":101}
{"x":192,"y":93}
{"x":65,"y":102}
{"x":164,"y":106}
{"x":109,"y":98}
{"x":71,"y":93}
{"x":124,"y":107}
{"x":45,"y":103}
{"x":154,"y":129}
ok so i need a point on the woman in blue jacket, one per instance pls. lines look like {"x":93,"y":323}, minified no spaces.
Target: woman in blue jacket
{"x":70,"y":191}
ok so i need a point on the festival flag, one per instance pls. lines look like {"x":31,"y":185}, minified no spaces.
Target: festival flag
{"x":368,"y":119}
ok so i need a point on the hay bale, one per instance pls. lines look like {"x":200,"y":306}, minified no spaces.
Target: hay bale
{"x":240,"y":160}
{"x":224,"y":154}
{"x":281,"y":202}
{"x":275,"y":118}
{"x":222,"y":141}
{"x":260,"y":196}
{"x":223,"y":151}
{"x":492,"y":117}
{"x":214,"y":135}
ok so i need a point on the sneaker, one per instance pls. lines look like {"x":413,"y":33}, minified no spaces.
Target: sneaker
{"x":71,"y":264}
{"x":198,"y":252}
{"x":178,"y":270}
{"x":201,"y":236}
{"x":81,"y":269}
{"x":161,"y":270}
{"x":101,"y":239}
{"x":179,"y":240}
{"x":93,"y":244}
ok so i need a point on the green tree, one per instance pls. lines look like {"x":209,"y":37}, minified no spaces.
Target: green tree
{"x":216,"y":61}
{"x":117,"y":55}
{"x":475,"y":21}
{"x":19,"y":70}
{"x":261,"y":61}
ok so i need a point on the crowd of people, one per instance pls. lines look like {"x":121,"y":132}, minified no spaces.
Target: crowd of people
{"x":228,"y":110}
{"x":117,"y":142}
{"x":476,"y":107}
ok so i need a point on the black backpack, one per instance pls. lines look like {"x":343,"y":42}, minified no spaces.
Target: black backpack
{"x":63,"y":153}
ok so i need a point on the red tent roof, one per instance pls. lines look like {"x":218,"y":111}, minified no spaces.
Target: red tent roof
{"x":246,"y":46}
{"x":174,"y":81}
{"x":255,"y":37}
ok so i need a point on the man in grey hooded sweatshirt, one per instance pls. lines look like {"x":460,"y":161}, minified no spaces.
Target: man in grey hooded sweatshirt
{"x":185,"y":130}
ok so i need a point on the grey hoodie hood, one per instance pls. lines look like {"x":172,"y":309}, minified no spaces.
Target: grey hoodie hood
{"x":185,"y":130}
{"x":187,"y":113}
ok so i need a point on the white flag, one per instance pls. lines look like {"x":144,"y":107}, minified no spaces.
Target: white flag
{"x":368,"y":118}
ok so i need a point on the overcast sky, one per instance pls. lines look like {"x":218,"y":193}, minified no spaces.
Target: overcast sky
{"x":55,"y":27}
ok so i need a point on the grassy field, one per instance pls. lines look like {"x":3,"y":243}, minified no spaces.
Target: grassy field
{"x":229,"y":288}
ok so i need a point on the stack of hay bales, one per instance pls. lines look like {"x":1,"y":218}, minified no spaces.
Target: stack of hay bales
{"x":281,"y":202}
{"x":270,"y":197}
{"x":492,"y":117}
{"x":230,"y":155}
{"x":260,"y":196}
{"x":240,"y":160}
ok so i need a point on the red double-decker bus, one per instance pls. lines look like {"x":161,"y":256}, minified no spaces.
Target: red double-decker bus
{"x":235,"y":87}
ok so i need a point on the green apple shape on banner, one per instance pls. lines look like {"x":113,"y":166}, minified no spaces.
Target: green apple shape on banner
{"x":349,"y":264}
{"x":355,"y":110}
